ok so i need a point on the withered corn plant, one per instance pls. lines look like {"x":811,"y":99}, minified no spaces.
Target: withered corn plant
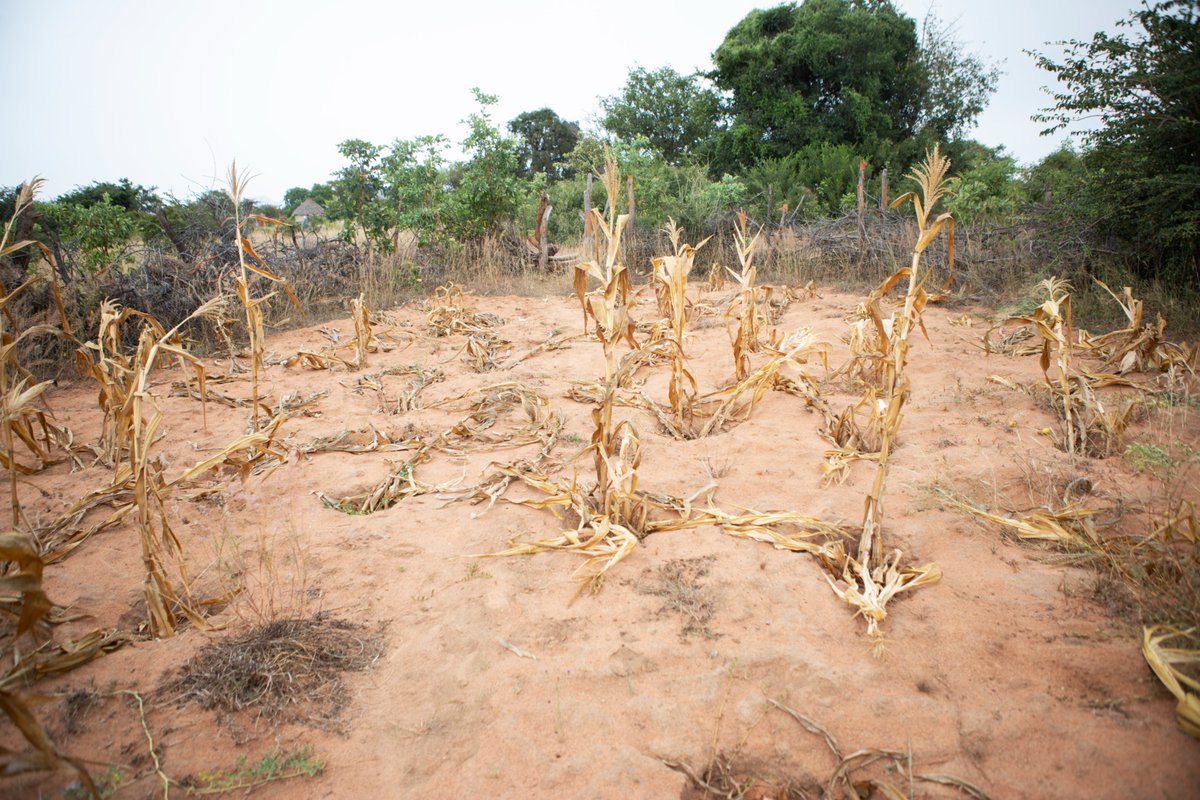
{"x":744,"y":308}
{"x":132,"y":425}
{"x":23,"y":600}
{"x":16,"y":396}
{"x":106,"y":361}
{"x":1089,"y":425}
{"x":872,"y":578}
{"x":253,"y":305}
{"x":609,"y":310}
{"x":671,"y":276}
{"x":613,"y":516}
{"x":1140,"y":346}
{"x":139,"y":423}
{"x":607,"y":251}
{"x":448,"y":314}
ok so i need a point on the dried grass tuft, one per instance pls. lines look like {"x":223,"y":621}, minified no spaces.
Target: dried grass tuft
{"x":286,"y":669}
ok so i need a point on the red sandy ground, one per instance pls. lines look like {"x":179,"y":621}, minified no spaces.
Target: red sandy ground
{"x":1002,"y":674}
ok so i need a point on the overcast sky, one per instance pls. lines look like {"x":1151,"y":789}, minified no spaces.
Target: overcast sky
{"x":167,"y":93}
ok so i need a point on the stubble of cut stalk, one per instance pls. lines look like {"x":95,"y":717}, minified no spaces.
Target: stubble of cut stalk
{"x":362,"y":330}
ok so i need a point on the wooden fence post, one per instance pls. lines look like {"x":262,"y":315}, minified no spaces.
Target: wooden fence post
{"x":543,"y":222}
{"x":862,"y":204}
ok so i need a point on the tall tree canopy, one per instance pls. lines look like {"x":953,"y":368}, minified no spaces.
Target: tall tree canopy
{"x":677,"y":114}
{"x":545,"y":139}
{"x":837,"y":71}
{"x":1135,"y":97}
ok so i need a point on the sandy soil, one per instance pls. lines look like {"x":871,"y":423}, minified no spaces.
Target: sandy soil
{"x":1006,"y":673}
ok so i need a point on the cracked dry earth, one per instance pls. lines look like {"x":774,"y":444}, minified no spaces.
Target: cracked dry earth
{"x":491,"y":683}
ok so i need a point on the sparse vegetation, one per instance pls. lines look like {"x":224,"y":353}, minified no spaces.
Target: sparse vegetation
{"x":709,"y":411}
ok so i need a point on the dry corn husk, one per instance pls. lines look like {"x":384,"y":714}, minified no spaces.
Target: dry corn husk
{"x":1166,"y":662}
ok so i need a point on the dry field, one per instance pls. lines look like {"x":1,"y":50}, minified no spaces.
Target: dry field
{"x":692,"y":590}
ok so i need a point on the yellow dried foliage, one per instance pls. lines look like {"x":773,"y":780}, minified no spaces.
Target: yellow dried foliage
{"x":448,"y":314}
{"x":1168,"y":663}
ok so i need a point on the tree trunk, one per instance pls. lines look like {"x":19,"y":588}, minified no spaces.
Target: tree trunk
{"x":543,"y":221}
{"x":862,"y":204}
{"x":172,"y":235}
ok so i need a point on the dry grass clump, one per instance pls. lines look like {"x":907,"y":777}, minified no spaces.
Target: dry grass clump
{"x":285,"y":669}
{"x":679,"y":583}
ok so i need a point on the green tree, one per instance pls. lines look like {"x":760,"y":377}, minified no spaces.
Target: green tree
{"x":87,"y":239}
{"x":1134,"y":97}
{"x":677,"y":114}
{"x":293,"y":197}
{"x":124,"y":193}
{"x":413,"y":173}
{"x":358,"y":194}
{"x":1058,"y":176}
{"x":985,"y":186}
{"x":487,"y":187}
{"x":545,"y":139}
{"x":836,"y":71}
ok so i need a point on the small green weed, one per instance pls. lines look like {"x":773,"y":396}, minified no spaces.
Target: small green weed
{"x":1143,"y":457}
{"x":275,"y":765}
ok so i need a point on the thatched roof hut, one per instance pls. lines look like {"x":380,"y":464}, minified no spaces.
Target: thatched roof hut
{"x":309,"y":208}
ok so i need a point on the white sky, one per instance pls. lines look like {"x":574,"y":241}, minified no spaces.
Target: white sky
{"x":167,"y":92}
